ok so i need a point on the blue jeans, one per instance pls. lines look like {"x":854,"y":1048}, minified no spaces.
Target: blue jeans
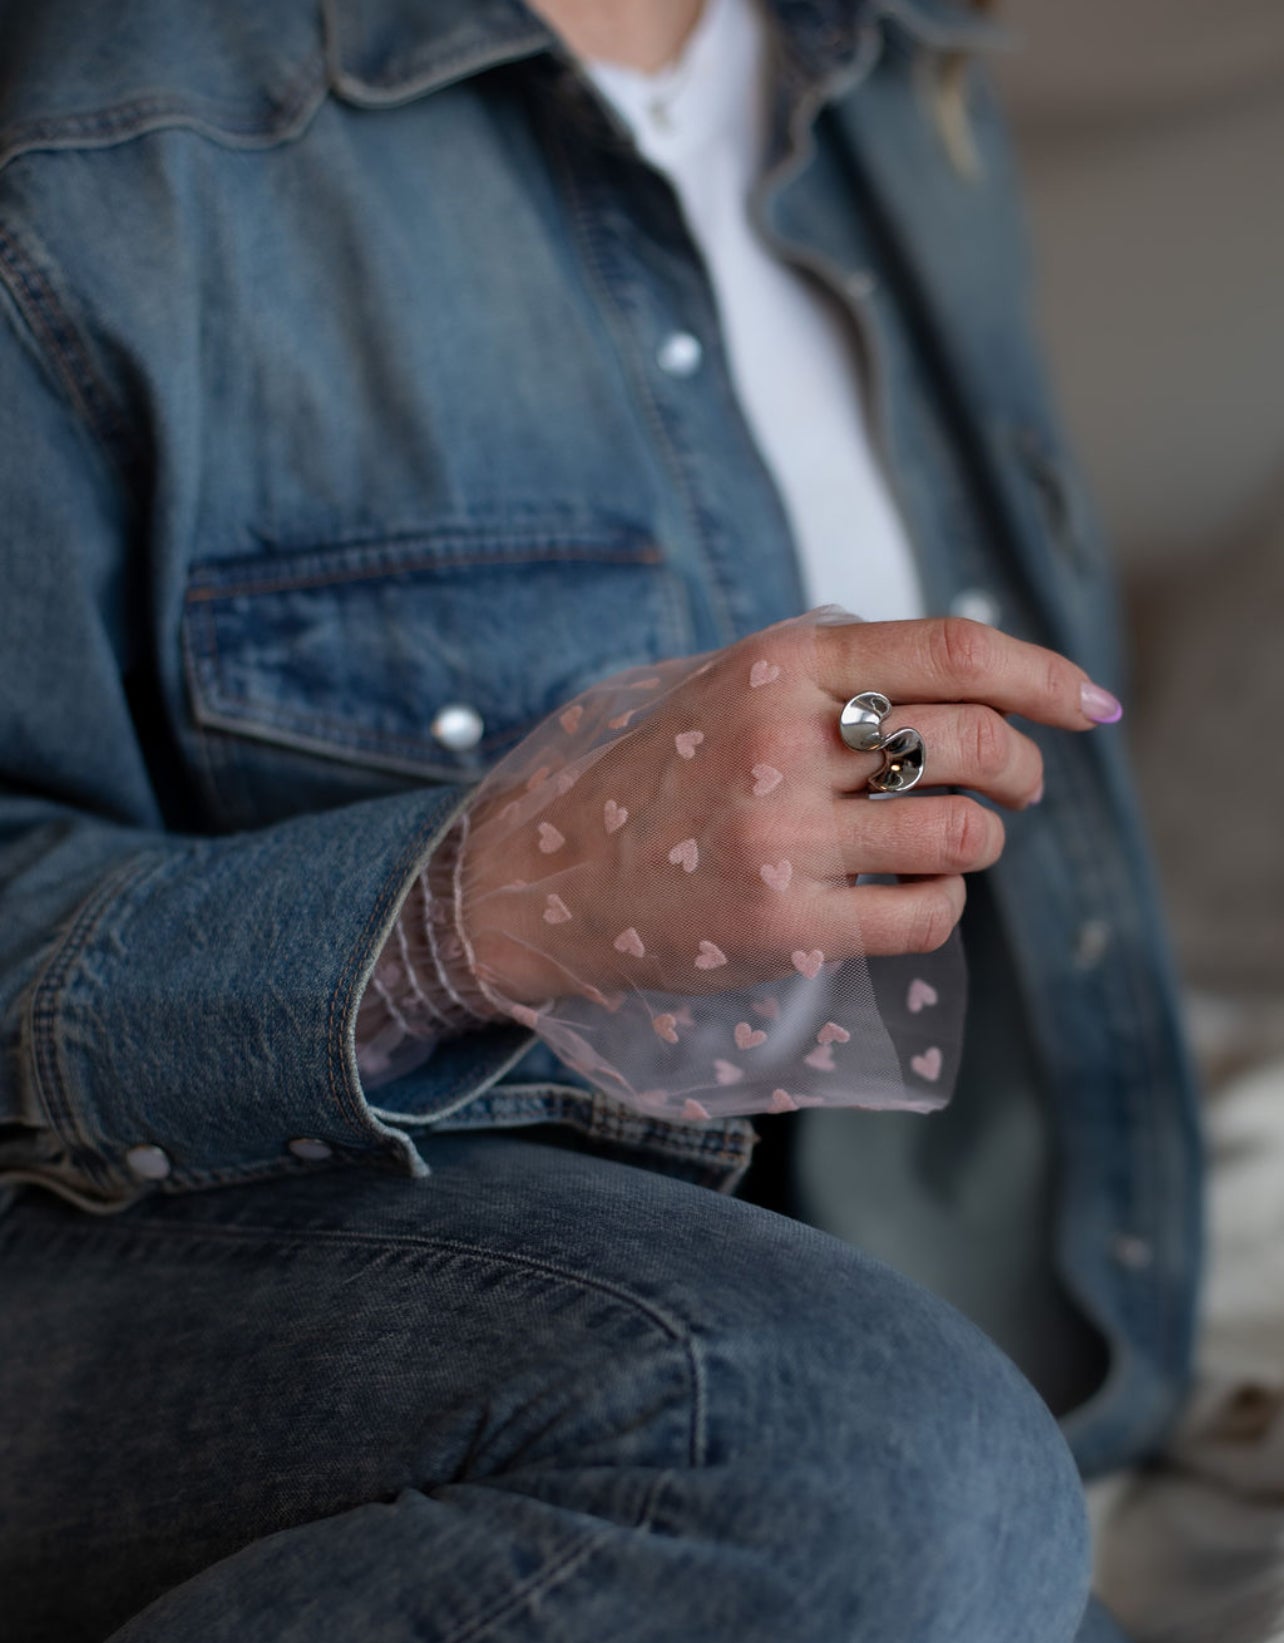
{"x":539,"y":1395}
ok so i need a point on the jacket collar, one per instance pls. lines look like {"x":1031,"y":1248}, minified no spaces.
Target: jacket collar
{"x":381,"y":52}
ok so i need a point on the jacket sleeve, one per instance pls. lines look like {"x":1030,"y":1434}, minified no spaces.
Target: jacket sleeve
{"x":176,"y":1011}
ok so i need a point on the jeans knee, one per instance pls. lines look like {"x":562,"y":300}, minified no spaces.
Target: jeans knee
{"x":923,"y":1483}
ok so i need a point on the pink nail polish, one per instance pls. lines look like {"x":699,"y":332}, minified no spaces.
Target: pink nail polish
{"x":1099,"y":705}
{"x":1037,"y":796}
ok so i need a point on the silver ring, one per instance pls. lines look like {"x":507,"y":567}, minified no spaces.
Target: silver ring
{"x":860,"y":724}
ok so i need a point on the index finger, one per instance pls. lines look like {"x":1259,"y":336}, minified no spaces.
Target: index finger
{"x":953,"y":659}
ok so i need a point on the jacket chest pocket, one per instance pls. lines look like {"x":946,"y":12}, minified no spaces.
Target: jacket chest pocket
{"x":323,"y":675}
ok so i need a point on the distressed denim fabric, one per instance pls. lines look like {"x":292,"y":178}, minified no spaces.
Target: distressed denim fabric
{"x":333,"y":394}
{"x":535,"y":1396}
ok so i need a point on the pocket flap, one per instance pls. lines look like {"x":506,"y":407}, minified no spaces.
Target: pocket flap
{"x":352,"y":651}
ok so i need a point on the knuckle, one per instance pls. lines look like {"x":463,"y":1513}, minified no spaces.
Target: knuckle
{"x":987,"y":740}
{"x":1056,"y":683}
{"x":966,"y":835}
{"x":965,"y":649}
{"x":935,"y":916}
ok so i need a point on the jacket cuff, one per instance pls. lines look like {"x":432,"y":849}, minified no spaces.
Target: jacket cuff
{"x":195,"y":1025}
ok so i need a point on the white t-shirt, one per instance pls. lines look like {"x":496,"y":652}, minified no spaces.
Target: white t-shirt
{"x":701,"y":122}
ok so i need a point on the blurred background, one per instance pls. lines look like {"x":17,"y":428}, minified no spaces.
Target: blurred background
{"x":1151,"y":135}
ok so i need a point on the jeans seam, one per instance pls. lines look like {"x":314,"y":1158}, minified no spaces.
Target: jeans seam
{"x":546,"y":1578}
{"x":249,"y":1232}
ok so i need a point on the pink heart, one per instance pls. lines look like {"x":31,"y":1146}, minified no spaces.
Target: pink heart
{"x":629,"y":941}
{"x":782,"y":1101}
{"x":687,"y":742}
{"x":768,"y":1009}
{"x":726,"y":1072}
{"x":762,"y":673}
{"x":920,"y":993}
{"x":832,"y":1033}
{"x":570,"y":720}
{"x":777,"y":877}
{"x":648,"y":683}
{"x":694,"y":1109}
{"x":541,"y":775}
{"x":747,"y":1037}
{"x":549,"y":839}
{"x":556,"y":911}
{"x":807,"y":964}
{"x":682,"y":1015}
{"x":614,"y":815}
{"x":687,"y":853}
{"x":665,"y":1027}
{"x":565,"y":781}
{"x":821,"y":1058}
{"x":766,"y":779}
{"x":620,"y":720}
{"x":710,"y":957}
{"x":928,"y":1065}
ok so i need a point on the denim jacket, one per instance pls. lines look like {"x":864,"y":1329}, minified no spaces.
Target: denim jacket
{"x":333,"y":392}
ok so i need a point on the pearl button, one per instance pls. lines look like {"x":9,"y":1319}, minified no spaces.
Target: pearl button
{"x":680,"y":354}
{"x":1091,"y":943}
{"x":1132,"y":1252}
{"x":458,"y":727}
{"x":310,"y":1149}
{"x":148,"y":1163}
{"x":977,"y":605}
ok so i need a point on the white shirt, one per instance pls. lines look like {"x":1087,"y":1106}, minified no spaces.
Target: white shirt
{"x":701,"y":122}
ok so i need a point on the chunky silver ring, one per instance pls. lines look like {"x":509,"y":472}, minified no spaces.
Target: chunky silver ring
{"x":860,"y":724}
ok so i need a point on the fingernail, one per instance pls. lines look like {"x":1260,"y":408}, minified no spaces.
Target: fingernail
{"x":1099,"y":705}
{"x":1037,"y":795}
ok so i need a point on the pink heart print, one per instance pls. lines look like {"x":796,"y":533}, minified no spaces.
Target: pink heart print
{"x":710,"y":957}
{"x":747,"y":1037}
{"x":549,"y":839}
{"x":665,"y":1027}
{"x":767,"y":1008}
{"x":766,"y":779}
{"x":687,"y":742}
{"x":556,"y":911}
{"x":570,"y":720}
{"x":620,"y":720}
{"x":777,"y":877}
{"x":763,"y":673}
{"x":538,"y":778}
{"x":648,"y":683}
{"x":726,"y":1072}
{"x":782,"y":1101}
{"x":928,"y":1065}
{"x":832,"y":1033}
{"x":687,"y":853}
{"x":629,"y":941}
{"x":807,"y":964}
{"x":614,"y":815}
{"x":694,"y":1109}
{"x":821,"y":1058}
{"x":920,"y":994}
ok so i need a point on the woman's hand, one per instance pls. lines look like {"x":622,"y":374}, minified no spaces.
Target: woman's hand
{"x":698,"y":827}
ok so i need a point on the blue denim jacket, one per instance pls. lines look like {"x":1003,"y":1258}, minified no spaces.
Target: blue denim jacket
{"x":331,"y":344}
